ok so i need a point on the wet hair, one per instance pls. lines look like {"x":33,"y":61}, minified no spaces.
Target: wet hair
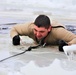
{"x":42,"y":21}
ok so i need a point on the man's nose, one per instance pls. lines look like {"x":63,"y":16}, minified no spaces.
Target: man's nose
{"x":38,"y":33}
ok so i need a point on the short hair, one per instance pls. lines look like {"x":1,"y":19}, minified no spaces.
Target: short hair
{"x":42,"y":21}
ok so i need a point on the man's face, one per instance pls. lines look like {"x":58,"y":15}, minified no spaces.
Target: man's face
{"x":41,"y":32}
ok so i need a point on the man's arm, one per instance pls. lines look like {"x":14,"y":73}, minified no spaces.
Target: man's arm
{"x":67,"y":36}
{"x":20,"y":29}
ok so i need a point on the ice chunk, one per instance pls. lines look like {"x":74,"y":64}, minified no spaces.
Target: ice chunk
{"x":54,"y":69}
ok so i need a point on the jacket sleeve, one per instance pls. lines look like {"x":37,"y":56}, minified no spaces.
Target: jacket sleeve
{"x":65,"y":35}
{"x":20,"y":29}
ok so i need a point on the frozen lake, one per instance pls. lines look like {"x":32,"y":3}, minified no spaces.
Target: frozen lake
{"x":46,"y":61}
{"x":26,"y":10}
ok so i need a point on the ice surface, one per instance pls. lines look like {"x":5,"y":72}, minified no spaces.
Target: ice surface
{"x":4,"y":54}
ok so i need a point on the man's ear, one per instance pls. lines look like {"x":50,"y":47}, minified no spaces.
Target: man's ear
{"x":50,"y":28}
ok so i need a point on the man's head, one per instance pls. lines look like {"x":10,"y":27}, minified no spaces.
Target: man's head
{"x":42,"y":26}
{"x":42,"y":21}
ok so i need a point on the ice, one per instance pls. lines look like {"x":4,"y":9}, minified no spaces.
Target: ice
{"x":70,"y":52}
{"x":54,"y":69}
{"x":57,"y":67}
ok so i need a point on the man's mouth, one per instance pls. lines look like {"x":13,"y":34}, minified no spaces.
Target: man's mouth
{"x":39,"y":37}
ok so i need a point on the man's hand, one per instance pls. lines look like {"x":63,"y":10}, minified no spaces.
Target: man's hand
{"x":61,"y":44}
{"x":16,"y":40}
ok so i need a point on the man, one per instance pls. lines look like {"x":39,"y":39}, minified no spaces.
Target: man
{"x":42,"y":29}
